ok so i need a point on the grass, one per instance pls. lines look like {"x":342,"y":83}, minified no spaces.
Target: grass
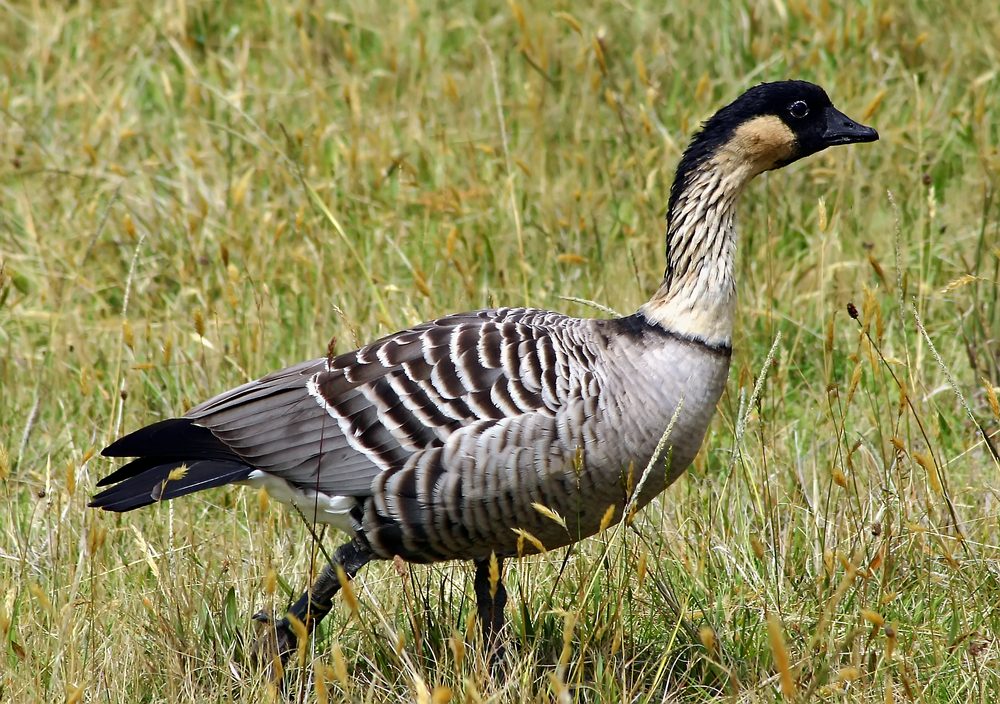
{"x":193,"y":194}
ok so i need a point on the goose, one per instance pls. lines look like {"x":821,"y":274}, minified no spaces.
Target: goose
{"x":497,"y":433}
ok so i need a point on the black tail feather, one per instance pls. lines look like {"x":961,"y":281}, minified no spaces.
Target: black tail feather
{"x":155,"y":484}
{"x":160,"y":449}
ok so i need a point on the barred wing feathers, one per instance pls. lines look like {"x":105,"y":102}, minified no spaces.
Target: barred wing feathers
{"x":333,"y":427}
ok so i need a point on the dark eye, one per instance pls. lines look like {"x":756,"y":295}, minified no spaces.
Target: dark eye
{"x":798,"y":109}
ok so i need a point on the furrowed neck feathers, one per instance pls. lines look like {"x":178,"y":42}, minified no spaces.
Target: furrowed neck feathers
{"x":697,"y":296}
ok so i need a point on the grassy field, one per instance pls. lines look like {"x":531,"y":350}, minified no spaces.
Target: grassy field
{"x":193,"y":194}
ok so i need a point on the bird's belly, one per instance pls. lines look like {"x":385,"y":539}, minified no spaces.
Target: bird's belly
{"x":316,"y":506}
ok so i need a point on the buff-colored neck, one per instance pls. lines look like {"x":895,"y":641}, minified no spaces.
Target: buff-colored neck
{"x":697,"y":297}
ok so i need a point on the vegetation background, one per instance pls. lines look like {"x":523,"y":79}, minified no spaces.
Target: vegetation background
{"x":195,"y":193}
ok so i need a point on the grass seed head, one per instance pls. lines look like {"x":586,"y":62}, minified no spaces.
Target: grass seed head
{"x":198,"y":320}
{"x":494,"y":574}
{"x":128,"y":336}
{"x":457,"y":645}
{"x":848,"y":674}
{"x":347,"y":589}
{"x":779,"y":652}
{"x":549,"y":513}
{"x":991,"y":396}
{"x":177,"y":473}
{"x":839,"y":478}
{"x":926,"y":462}
{"x":890,"y":641}
{"x":74,"y":694}
{"x":321,"y":677}
{"x":340,"y":666}
{"x":440,"y":694}
{"x":607,"y":519}
{"x":641,"y":568}
{"x":96,"y":535}
{"x":872,"y":617}
{"x":706,"y":634}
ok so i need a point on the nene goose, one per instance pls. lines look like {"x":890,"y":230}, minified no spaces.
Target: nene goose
{"x":440,"y":442}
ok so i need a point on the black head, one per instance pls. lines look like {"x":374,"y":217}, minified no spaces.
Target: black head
{"x":770,"y":126}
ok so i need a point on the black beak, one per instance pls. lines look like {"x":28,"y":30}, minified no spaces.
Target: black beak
{"x":840,"y":129}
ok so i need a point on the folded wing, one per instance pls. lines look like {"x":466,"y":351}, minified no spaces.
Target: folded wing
{"x":332,"y":426}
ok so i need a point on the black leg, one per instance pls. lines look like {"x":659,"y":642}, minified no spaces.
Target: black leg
{"x":490,"y":603}
{"x":315,"y":603}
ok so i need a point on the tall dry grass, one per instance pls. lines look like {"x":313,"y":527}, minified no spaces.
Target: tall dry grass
{"x":193,"y":194}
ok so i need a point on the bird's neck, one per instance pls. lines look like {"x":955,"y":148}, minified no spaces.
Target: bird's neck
{"x":697,"y":297}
